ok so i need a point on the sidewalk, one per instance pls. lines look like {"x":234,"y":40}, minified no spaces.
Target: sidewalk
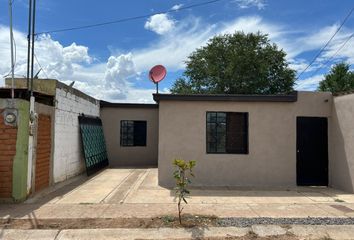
{"x":131,"y":196}
{"x":276,"y":210}
{"x":254,"y":232}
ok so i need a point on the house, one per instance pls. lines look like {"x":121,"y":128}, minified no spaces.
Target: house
{"x":301,"y":138}
{"x":48,"y":151}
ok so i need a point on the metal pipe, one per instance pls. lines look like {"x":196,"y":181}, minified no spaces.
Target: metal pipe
{"x":12,"y":52}
{"x":33,"y":35}
{"x":29,"y":42}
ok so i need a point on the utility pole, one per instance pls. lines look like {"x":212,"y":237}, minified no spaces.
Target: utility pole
{"x":33,"y":36}
{"x":29,"y":43}
{"x":12,"y":54}
{"x":32,"y":114}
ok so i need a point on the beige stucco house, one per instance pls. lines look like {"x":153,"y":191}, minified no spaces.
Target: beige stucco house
{"x":303,"y":138}
{"x":297,"y":139}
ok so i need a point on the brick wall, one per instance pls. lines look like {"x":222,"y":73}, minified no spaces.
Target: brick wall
{"x":8,"y":136}
{"x":43,"y":152}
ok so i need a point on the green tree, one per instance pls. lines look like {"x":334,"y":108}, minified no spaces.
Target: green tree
{"x":340,"y":79}
{"x":236,"y":64}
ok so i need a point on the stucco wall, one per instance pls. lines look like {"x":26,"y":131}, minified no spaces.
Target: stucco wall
{"x":272,"y":140}
{"x":342,"y":143}
{"x":68,"y":158}
{"x":130,"y":156}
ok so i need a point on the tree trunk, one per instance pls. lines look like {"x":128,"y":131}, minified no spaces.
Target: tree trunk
{"x":179,"y":211}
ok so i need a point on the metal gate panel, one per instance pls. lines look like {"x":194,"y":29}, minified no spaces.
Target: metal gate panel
{"x":93,"y":143}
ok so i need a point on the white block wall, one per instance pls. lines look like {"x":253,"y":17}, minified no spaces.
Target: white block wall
{"x":68,"y":159}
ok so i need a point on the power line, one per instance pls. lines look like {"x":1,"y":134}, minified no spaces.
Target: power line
{"x":323,"y":48}
{"x":335,"y":54}
{"x":35,"y":56}
{"x":129,"y":18}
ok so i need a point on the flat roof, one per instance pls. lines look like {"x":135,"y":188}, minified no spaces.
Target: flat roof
{"x":127,"y":105}
{"x":20,"y":93}
{"x":291,"y":97}
{"x":48,"y":87}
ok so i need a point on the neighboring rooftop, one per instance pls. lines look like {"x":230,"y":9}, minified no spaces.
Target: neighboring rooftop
{"x":128,"y":105}
{"x":47,"y":87}
{"x":21,"y":93}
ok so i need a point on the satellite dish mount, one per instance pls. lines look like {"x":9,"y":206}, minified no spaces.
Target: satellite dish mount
{"x":157,"y":74}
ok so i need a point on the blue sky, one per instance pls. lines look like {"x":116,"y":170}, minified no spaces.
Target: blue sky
{"x":111,"y":62}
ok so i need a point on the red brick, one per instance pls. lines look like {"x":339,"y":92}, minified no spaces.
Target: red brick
{"x":8,"y":153}
{"x":44,"y":141}
{"x":4,"y":148}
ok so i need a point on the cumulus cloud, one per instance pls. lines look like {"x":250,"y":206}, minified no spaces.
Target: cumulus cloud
{"x":160,"y":23}
{"x":260,"y":4}
{"x":118,"y":69}
{"x":108,"y":81}
{"x":75,"y":53}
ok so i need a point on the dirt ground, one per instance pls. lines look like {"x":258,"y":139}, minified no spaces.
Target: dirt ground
{"x":157,"y":222}
{"x":89,"y":223}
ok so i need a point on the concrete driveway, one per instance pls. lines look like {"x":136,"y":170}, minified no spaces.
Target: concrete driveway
{"x":115,"y":193}
{"x":139,"y":186}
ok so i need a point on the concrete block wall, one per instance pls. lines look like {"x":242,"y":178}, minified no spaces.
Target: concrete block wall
{"x":8,"y":137}
{"x":68,"y":158}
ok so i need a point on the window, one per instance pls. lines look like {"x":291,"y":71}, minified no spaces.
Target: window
{"x":132,"y":133}
{"x":227,"y":132}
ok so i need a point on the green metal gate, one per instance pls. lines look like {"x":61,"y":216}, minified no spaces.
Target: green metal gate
{"x":93,"y":143}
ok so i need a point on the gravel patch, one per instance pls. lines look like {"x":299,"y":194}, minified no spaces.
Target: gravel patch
{"x":247,"y":222}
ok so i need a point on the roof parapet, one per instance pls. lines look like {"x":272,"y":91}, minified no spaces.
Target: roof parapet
{"x":291,"y":97}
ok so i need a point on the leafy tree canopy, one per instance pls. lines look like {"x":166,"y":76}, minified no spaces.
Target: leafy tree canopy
{"x":236,"y":64}
{"x":340,"y":79}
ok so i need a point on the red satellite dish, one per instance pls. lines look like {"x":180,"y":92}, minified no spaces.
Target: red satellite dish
{"x":157,"y":73}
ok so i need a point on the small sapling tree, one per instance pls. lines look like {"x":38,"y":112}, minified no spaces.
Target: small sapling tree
{"x":182,"y":173}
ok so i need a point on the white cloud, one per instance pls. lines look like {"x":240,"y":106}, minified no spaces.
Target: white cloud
{"x":108,"y":81}
{"x":75,"y":53}
{"x":160,"y":23}
{"x":260,"y":4}
{"x":310,"y":83}
{"x":172,"y":49}
{"x":177,"y":7}
{"x":118,"y":69}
